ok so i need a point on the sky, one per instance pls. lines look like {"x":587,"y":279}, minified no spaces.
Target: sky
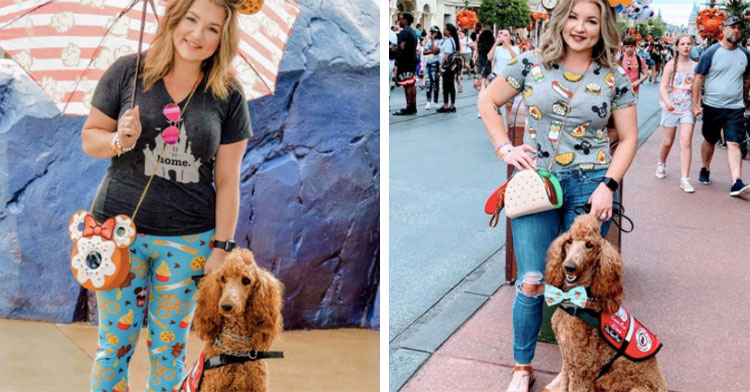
{"x":675,"y":12}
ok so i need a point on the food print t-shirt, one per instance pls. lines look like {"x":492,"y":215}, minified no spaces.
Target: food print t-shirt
{"x":547,"y":94}
{"x":181,"y":199}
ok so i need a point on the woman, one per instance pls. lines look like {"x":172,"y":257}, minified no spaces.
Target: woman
{"x":432,"y":65}
{"x":448,"y":67}
{"x":181,"y":214}
{"x":676,"y":90}
{"x":484,"y":65}
{"x":654,"y":51}
{"x":577,"y":59}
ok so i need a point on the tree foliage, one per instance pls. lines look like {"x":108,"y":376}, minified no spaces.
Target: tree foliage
{"x":505,"y":13}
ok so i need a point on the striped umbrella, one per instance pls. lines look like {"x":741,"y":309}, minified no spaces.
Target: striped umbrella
{"x":66,"y":45}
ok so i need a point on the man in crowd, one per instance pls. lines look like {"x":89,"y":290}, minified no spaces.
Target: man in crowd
{"x":725,"y":67}
{"x":406,"y":64}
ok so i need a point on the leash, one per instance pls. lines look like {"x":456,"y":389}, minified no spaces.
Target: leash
{"x":619,"y":210}
{"x":224,"y":359}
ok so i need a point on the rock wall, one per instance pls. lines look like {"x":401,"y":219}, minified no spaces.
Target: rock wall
{"x":310,"y":181}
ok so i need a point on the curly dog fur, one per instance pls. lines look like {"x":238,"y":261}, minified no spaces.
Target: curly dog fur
{"x":242,"y":299}
{"x":581,"y":257}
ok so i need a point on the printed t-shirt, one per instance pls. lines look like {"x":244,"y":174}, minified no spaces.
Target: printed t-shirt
{"x":724,"y":70}
{"x":583,"y":141}
{"x":181,"y":199}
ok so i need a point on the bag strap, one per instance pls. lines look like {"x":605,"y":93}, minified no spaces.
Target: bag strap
{"x":570,"y":108}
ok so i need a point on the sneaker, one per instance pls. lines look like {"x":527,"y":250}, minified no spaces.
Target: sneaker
{"x":739,"y":189}
{"x":685,"y":185}
{"x":661,"y":170}
{"x":703,"y":176}
{"x":428,"y":106}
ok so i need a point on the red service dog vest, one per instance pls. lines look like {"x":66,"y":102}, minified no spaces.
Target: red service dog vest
{"x":625,"y":334}
{"x":192,"y":380}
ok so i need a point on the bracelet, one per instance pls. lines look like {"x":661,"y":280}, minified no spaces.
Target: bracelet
{"x":503,"y":149}
{"x":119,"y":148}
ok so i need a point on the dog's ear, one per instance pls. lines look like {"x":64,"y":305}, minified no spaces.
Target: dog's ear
{"x":553,"y":274}
{"x":607,"y":287}
{"x":208,"y":319}
{"x":263,"y":310}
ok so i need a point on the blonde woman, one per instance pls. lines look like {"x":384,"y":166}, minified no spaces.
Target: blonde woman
{"x":195,"y":122}
{"x":677,"y":109}
{"x":571,"y":87}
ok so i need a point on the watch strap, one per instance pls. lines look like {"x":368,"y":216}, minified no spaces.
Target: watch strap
{"x":225,"y":245}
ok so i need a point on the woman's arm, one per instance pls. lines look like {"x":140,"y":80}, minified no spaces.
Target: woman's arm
{"x":227,"y":175}
{"x":663,"y":86}
{"x":99,"y":130}
{"x":626,"y":123}
{"x":496,"y":95}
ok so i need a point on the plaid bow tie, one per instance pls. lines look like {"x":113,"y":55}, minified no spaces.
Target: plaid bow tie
{"x":577,"y":296}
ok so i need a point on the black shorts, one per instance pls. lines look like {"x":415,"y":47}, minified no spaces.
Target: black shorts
{"x":406,"y":78}
{"x":716,"y":119}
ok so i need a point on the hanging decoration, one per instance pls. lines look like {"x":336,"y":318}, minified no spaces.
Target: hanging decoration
{"x":467,"y":19}
{"x":638,"y":37}
{"x":709,"y":23}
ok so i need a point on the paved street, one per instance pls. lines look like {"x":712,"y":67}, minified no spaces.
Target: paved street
{"x":445,"y":262}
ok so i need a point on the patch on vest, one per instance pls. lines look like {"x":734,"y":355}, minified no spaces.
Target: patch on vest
{"x":192,"y":380}
{"x":626,"y":334}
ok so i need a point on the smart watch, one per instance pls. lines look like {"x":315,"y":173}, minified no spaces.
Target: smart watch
{"x":610,"y":183}
{"x":225,"y":245}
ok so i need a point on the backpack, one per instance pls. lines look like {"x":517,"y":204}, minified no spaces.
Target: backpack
{"x":454,"y":61}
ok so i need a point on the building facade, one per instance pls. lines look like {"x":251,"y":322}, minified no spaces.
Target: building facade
{"x":691,"y":28}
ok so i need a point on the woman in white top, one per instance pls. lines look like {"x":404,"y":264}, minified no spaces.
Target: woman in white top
{"x":465,"y":55}
{"x":501,"y":54}
{"x":448,"y":67}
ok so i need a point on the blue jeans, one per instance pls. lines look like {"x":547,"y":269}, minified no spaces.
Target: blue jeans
{"x":532,"y":236}
{"x":432,"y":80}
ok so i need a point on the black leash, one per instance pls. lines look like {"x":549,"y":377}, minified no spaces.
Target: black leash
{"x":223,"y":359}
{"x":617,"y":210}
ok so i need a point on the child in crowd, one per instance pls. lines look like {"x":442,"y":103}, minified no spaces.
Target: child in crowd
{"x":676,"y":94}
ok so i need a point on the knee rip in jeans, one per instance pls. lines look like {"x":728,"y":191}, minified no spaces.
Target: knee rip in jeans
{"x":531,"y":285}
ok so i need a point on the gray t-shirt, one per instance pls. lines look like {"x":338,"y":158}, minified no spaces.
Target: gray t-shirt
{"x":724,"y":70}
{"x":547,"y":93}
{"x":181,"y":199}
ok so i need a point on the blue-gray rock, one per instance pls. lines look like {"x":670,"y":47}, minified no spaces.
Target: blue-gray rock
{"x":310,"y":181}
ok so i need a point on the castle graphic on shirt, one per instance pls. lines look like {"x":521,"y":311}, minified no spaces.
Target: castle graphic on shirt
{"x":178,"y":162}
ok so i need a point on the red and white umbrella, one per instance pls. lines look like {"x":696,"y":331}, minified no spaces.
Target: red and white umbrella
{"x":66,"y":45}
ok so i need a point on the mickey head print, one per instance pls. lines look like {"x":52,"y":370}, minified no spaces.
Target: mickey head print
{"x":100,"y":259}
{"x":600,"y":110}
{"x":584,"y":146}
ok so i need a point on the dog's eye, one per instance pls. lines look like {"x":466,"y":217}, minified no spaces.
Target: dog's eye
{"x":569,"y":241}
{"x":589,"y":245}
{"x":223,"y":279}
{"x":245,"y":281}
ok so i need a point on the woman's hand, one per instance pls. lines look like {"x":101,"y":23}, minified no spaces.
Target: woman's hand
{"x":519,"y":157}
{"x":670,"y":106}
{"x":129,"y":127}
{"x":215,"y":261}
{"x":601,"y":203}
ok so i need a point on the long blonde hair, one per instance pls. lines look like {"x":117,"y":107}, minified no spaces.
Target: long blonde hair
{"x":605,"y":51}
{"x":677,"y":56}
{"x":160,"y":57}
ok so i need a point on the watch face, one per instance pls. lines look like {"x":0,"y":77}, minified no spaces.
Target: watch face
{"x":549,"y":4}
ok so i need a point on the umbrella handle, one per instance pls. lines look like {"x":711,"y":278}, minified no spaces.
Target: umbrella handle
{"x":140,"y":46}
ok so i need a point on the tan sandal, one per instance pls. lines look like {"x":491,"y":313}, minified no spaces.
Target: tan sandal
{"x":554,"y":385}
{"x":523,"y":379}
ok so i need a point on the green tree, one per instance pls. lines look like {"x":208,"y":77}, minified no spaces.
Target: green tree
{"x":505,"y":13}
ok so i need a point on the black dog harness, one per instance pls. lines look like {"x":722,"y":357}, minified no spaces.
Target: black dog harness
{"x":619,"y":330}
{"x":193,"y":379}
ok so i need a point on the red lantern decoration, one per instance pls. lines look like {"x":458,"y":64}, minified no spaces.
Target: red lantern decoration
{"x":649,"y":38}
{"x":638,"y":36}
{"x":631,"y":31}
{"x":466,"y":19}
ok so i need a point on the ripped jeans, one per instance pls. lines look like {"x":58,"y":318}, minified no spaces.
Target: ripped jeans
{"x":532,"y":236}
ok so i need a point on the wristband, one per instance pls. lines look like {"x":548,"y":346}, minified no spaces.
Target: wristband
{"x":502,"y":150}
{"x":120,"y":148}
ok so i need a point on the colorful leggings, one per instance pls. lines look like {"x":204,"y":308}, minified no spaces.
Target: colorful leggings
{"x":165,"y":265}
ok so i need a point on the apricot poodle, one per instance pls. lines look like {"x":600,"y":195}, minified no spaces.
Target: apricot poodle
{"x":581,"y":257}
{"x":239,"y":310}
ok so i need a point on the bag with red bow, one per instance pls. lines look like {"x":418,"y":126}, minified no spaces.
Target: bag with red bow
{"x":100,"y":258}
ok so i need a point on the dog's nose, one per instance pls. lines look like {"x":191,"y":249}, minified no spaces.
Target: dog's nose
{"x":227,"y":307}
{"x":570,"y":268}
